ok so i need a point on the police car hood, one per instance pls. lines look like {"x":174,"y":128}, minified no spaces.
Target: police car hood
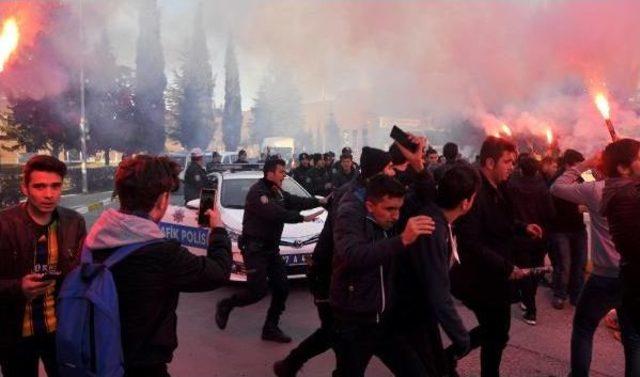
{"x":232,"y":219}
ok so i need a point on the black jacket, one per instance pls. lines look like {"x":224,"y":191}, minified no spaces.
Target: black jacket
{"x":621,"y":206}
{"x":302,"y":175}
{"x":17,"y":240}
{"x":321,"y":180}
{"x":339,"y":178}
{"x":361,"y":262}
{"x":195,"y":178}
{"x":568,"y":218}
{"x":149,"y":282}
{"x":268,"y":208}
{"x":422,"y":285}
{"x":485,"y":242}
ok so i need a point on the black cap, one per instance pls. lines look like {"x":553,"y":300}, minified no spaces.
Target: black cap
{"x":303,"y":156}
{"x":373,"y":161}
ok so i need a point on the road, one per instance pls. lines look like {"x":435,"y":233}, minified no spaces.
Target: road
{"x":204,"y":350}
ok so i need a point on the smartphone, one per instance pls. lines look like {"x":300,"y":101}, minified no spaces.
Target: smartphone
{"x":401,"y":137}
{"x":51,"y":275}
{"x":207,"y":201}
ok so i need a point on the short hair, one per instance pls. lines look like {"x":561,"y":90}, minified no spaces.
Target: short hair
{"x":241,"y":152}
{"x":346,"y":157}
{"x":571,"y":157}
{"x":529,"y":166}
{"x":382,"y":185}
{"x":271,"y":164}
{"x":317,"y":157}
{"x":46,"y":163}
{"x":431,"y":151}
{"x":142,"y":179}
{"x":457,"y":184}
{"x":622,"y":152}
{"x":450,"y":151}
{"x":494,"y":147}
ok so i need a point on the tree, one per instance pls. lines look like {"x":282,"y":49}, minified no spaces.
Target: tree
{"x":192,"y":93}
{"x":332,"y":134}
{"x":232,"y":114}
{"x":278,"y":110}
{"x":151,"y":81}
{"x":109,"y":103}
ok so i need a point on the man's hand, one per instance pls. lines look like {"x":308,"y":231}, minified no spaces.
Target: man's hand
{"x":518,"y":273}
{"x":313,"y":216}
{"x":534,"y":231}
{"x":33,"y":286}
{"x":215,"y":221}
{"x":417,"y":226}
{"x":415,"y":158}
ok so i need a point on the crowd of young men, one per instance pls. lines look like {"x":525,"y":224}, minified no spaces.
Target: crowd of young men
{"x":397,"y":246}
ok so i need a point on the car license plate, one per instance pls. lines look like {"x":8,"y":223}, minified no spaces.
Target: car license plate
{"x":295,"y":259}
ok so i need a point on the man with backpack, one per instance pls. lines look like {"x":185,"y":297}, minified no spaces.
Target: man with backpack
{"x":148,"y":272}
{"x":38,"y":239}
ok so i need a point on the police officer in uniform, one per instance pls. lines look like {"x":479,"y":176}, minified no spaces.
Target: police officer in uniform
{"x":266,"y":210}
{"x":195,"y":178}
{"x":302,"y":173}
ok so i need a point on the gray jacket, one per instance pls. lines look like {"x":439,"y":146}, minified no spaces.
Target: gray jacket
{"x":606,"y":259}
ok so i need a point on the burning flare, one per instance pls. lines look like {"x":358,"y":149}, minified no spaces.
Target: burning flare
{"x":549,"y":136}
{"x":506,"y":130}
{"x":603,"y":105}
{"x":9,"y":38}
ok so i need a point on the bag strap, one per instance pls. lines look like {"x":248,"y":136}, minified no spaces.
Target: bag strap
{"x":119,"y":254}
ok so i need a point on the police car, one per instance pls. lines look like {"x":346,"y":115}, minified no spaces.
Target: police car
{"x":296,"y":245}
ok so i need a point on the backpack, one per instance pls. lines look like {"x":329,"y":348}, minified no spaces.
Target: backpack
{"x":88,"y":332}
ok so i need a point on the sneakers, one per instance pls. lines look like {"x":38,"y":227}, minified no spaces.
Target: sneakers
{"x":523,"y":307}
{"x":284,"y":368}
{"x":529,"y":318}
{"x":557,"y":303}
{"x":223,"y":309}
{"x":274,"y":334}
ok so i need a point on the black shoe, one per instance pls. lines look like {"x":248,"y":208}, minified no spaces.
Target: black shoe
{"x":529,"y":317}
{"x":223,"y":309}
{"x":274,"y":334}
{"x":284,"y":368}
{"x":557,"y":303}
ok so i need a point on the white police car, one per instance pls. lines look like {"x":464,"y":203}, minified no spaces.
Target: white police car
{"x":296,"y":245}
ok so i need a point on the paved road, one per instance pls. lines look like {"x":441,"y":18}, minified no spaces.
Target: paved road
{"x":533,"y":351}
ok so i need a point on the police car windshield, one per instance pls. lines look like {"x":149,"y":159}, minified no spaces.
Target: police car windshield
{"x":234,"y":191}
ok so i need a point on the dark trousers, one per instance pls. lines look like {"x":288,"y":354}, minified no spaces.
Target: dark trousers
{"x":357,"y":343}
{"x":628,"y":320}
{"x":265,"y":270}
{"x":570,"y":260}
{"x":318,"y":342}
{"x":159,"y":370}
{"x":491,"y":334}
{"x":599,"y":295}
{"x":22,"y":359}
{"x":529,"y":253}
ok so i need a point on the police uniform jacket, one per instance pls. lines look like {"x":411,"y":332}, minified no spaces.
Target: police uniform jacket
{"x":302,"y":175}
{"x":195,"y":178}
{"x":268,"y":208}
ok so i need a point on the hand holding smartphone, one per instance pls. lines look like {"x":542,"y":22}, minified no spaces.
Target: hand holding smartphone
{"x":51,"y":275}
{"x":402,"y":138}
{"x":207,"y":202}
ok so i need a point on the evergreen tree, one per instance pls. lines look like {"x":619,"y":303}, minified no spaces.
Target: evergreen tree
{"x":332,"y":134}
{"x":151,"y":81}
{"x":232,"y":114}
{"x":278,"y":110}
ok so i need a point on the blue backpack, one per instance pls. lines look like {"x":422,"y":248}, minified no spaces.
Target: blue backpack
{"x":88,"y":332}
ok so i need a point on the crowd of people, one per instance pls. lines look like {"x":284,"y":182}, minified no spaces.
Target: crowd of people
{"x":407,"y":231}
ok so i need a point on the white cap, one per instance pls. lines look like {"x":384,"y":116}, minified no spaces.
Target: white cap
{"x":196,"y":152}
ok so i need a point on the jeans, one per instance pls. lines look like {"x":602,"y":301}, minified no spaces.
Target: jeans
{"x":570,"y":260}
{"x":22,"y":358}
{"x":599,"y":295}
{"x":630,"y":340}
{"x":529,"y":253}
{"x":265,"y":270}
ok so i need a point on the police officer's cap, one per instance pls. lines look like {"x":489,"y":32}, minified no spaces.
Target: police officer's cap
{"x":303,"y":156}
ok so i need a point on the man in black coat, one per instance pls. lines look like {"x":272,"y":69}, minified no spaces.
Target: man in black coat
{"x":302,"y":173}
{"x":267,"y":209}
{"x":485,"y":240}
{"x":195,"y":178}
{"x":422,"y":285}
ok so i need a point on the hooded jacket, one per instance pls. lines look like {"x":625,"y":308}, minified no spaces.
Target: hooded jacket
{"x":150,"y":279}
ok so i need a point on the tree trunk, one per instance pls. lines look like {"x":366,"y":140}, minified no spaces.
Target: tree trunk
{"x":107,"y":158}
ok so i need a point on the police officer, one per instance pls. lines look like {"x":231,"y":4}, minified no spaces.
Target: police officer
{"x":195,"y":178}
{"x":266,"y":210}
{"x":302,"y":173}
{"x":242,"y":157}
{"x":320,"y":176}
{"x":216,"y":161}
